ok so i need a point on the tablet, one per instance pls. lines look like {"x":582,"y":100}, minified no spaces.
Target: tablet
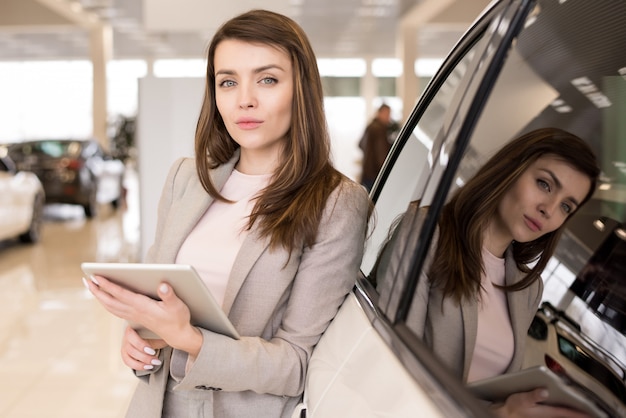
{"x":187,"y":284}
{"x":497,"y":389}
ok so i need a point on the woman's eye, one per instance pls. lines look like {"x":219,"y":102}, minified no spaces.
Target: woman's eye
{"x":227,"y":83}
{"x":543,"y":184}
{"x":567,"y":208}
{"x":269,"y":80}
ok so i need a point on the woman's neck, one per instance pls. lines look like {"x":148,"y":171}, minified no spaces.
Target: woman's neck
{"x":495,"y":242}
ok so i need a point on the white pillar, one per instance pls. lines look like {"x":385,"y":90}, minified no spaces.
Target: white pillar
{"x":369,"y":89}
{"x":101,"y":46}
{"x":408,"y":83}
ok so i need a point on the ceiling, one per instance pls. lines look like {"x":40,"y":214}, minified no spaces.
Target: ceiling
{"x":150,"y":29}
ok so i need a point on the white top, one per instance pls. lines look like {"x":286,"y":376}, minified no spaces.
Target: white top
{"x":494,"y":339}
{"x":213,"y":244}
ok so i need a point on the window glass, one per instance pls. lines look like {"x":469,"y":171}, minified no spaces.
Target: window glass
{"x":407,"y":179}
{"x":564,"y":70}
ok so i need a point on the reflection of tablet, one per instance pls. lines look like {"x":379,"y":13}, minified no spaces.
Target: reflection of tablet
{"x":145,"y":278}
{"x":497,"y":389}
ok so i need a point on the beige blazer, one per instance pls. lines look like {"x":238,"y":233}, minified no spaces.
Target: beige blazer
{"x":448,"y":328}
{"x":280,"y":305}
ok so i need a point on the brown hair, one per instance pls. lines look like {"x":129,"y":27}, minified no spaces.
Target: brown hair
{"x":289,"y":209}
{"x":457,"y":265}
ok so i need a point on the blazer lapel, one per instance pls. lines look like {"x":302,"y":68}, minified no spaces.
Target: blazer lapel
{"x":251,"y":249}
{"x":469,"y":313}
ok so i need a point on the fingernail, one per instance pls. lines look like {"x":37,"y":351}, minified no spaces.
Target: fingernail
{"x":85,"y":283}
{"x":93,"y":279}
{"x":149,"y":350}
{"x":148,"y":367}
{"x":156,"y":362}
{"x":545,"y":394}
{"x":163,"y":288}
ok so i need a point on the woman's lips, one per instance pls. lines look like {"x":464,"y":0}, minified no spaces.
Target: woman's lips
{"x":532,"y":224}
{"x":247,"y":124}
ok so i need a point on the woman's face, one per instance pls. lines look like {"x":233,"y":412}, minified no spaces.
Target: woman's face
{"x":540,"y":200}
{"x":254,"y":94}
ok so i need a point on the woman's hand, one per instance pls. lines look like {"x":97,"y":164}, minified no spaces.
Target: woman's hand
{"x":169,"y":317}
{"x":527,"y":405}
{"x":140,"y":354}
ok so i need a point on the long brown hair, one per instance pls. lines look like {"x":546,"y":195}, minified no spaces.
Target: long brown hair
{"x":457,"y":265}
{"x":289,"y":209}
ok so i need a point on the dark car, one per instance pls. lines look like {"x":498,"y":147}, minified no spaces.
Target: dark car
{"x":73,"y":171}
{"x":522,"y":65}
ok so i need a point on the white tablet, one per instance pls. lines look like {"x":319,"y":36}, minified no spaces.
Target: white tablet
{"x":497,"y":389}
{"x":187,"y":284}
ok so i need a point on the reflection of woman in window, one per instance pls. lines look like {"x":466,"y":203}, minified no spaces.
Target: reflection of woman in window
{"x":476,"y":305}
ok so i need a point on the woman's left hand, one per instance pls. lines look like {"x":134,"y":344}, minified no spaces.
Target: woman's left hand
{"x":528,"y":405}
{"x":169,"y":317}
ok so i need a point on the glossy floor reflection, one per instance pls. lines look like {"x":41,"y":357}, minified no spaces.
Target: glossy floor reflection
{"x":58,"y":347}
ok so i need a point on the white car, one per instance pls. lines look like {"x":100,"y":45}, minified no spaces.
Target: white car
{"x":556,"y":341}
{"x":522,"y":65}
{"x":22,"y":200}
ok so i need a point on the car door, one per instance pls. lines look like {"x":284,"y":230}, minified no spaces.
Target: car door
{"x":522,"y":65}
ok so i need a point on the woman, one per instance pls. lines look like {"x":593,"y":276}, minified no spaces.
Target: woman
{"x":494,"y":237}
{"x":275,"y":231}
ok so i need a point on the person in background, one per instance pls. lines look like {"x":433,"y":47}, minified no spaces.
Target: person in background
{"x":376,"y":143}
{"x":275,"y":231}
{"x":482,"y":286}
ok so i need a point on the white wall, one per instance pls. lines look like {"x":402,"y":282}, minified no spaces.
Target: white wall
{"x":167,"y":114}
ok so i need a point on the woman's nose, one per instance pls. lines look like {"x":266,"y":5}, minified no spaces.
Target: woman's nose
{"x":548,"y":207}
{"x":246,"y":98}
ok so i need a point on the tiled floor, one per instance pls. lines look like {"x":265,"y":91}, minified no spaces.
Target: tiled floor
{"x":58,"y":347}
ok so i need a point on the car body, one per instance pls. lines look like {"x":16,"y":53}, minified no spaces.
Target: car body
{"x":22,"y":200}
{"x":556,"y":341}
{"x":521,"y":65}
{"x":72,"y":171}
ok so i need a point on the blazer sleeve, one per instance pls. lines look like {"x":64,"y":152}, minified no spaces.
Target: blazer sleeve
{"x":324,"y":274}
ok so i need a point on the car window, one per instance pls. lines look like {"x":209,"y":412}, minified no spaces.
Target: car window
{"x":411,"y":175}
{"x":408,"y":177}
{"x":564,"y":69}
{"x":560,"y":81}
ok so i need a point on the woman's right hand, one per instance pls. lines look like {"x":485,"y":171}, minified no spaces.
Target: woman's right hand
{"x":527,"y":405}
{"x":140,"y":354}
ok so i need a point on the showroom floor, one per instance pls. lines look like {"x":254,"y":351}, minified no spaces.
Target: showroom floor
{"x":58,"y":348}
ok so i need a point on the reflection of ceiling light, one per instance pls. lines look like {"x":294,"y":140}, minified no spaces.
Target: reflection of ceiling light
{"x":533,"y":16}
{"x":593,"y":93}
{"x":561,"y":106}
{"x":563,"y":109}
{"x":621,"y":233}
{"x":599,"y":224}
{"x":604,"y":186}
